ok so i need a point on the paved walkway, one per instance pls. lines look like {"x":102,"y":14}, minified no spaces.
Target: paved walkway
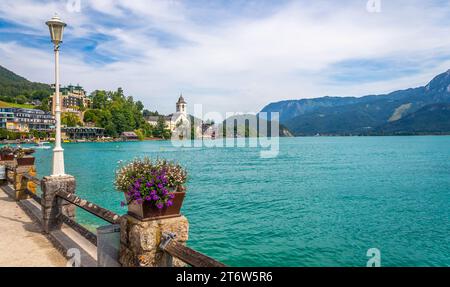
{"x":21,"y":240}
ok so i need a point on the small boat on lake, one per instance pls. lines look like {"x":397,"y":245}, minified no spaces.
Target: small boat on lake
{"x":41,"y":145}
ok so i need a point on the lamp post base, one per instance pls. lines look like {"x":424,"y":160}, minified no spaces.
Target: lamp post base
{"x":58,"y":162}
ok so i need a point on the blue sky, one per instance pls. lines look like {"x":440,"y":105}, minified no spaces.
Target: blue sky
{"x":230,"y":56}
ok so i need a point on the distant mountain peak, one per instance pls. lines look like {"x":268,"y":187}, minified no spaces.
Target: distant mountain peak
{"x":350,"y":115}
{"x":439,"y":83}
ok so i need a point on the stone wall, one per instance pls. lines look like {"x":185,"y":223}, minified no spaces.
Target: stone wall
{"x":139,"y":240}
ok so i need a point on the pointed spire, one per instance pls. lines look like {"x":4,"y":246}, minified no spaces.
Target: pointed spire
{"x":181,"y":99}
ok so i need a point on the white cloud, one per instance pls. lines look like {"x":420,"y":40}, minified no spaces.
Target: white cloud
{"x":237,"y":63}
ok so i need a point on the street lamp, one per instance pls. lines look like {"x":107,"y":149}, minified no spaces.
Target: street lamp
{"x":56,"y":27}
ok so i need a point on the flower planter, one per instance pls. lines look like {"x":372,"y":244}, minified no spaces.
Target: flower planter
{"x":25,"y":161}
{"x":148,"y":211}
{"x":7,"y":157}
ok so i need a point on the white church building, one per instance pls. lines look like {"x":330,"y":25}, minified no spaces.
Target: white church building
{"x":175,"y":119}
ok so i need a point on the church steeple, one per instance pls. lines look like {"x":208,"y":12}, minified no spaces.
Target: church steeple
{"x":181,"y":105}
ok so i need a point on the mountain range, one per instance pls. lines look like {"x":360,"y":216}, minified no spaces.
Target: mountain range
{"x":421,"y":110}
{"x":17,"y":89}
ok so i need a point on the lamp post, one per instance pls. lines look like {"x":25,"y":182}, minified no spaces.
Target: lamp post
{"x":56,"y":27}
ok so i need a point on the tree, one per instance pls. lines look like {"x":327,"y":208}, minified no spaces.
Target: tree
{"x":117,"y":113}
{"x":99,"y":99}
{"x":140,"y":134}
{"x":161,"y":130}
{"x":139,"y":106}
{"x":45,"y":106}
{"x":70,"y":120}
{"x":91,"y":116}
{"x":21,"y":99}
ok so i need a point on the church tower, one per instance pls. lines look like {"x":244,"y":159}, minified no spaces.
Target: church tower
{"x":181,"y":105}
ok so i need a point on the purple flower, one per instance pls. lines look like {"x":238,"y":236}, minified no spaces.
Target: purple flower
{"x":160,"y":185}
{"x":171,"y":196}
{"x":148,"y":184}
{"x":169,"y":203}
{"x":159,"y":205}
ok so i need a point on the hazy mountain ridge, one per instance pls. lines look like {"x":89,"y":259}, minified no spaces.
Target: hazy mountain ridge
{"x":365,"y":115}
{"x":434,"y":118}
{"x":248,"y":125}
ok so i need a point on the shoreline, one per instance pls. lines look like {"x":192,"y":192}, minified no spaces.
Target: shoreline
{"x":13,"y":142}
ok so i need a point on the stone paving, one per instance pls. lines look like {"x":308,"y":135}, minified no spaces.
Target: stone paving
{"x":22,"y":243}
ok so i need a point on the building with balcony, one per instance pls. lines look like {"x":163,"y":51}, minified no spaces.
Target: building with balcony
{"x":79,"y":133}
{"x":25,"y":120}
{"x":73,"y":100}
{"x":6,"y":115}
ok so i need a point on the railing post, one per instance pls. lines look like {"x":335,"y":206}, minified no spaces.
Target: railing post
{"x":52,"y":205}
{"x":140,"y":240}
{"x":20,"y":183}
{"x":10,"y":167}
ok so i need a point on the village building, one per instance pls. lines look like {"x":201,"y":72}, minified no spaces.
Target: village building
{"x":175,"y":119}
{"x":82,"y":133}
{"x":181,"y":117}
{"x":25,"y":120}
{"x":129,"y":136}
{"x":73,"y":100}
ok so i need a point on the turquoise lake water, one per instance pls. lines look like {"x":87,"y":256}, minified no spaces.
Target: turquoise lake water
{"x":324,"y":201}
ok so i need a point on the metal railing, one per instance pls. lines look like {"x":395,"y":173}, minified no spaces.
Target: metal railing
{"x":185,"y":254}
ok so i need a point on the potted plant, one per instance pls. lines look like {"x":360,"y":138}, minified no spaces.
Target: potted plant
{"x":153,"y":189}
{"x":7,"y":153}
{"x":22,"y":159}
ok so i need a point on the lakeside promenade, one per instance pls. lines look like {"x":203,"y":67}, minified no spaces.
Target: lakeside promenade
{"x":22,"y":243}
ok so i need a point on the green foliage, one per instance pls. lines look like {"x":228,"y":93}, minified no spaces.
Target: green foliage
{"x":45,"y":106}
{"x":111,"y":110}
{"x":9,"y":135}
{"x":70,"y":120}
{"x":16,"y":89}
{"x":21,"y":99}
{"x":39,"y":134}
{"x":161,"y":131}
{"x":140,"y":134}
{"x":117,"y":113}
{"x":147,"y":113}
{"x":14,"y":105}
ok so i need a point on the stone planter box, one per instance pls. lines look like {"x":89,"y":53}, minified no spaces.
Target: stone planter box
{"x":25,"y":161}
{"x":7,"y":157}
{"x":148,"y":211}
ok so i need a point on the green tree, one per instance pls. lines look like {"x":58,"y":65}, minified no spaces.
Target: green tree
{"x":21,"y":99}
{"x":70,"y":120}
{"x":161,"y":130}
{"x":99,"y":99}
{"x":45,"y":105}
{"x":117,"y":113}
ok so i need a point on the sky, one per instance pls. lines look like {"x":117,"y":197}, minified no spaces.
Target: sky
{"x":230,"y":56}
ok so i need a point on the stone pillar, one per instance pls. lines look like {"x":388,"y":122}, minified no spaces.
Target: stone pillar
{"x":19,"y":183}
{"x":139,"y":240}
{"x":52,"y":205}
{"x":11,"y":166}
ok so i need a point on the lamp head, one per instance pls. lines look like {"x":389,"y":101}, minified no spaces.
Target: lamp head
{"x":56,"y":27}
